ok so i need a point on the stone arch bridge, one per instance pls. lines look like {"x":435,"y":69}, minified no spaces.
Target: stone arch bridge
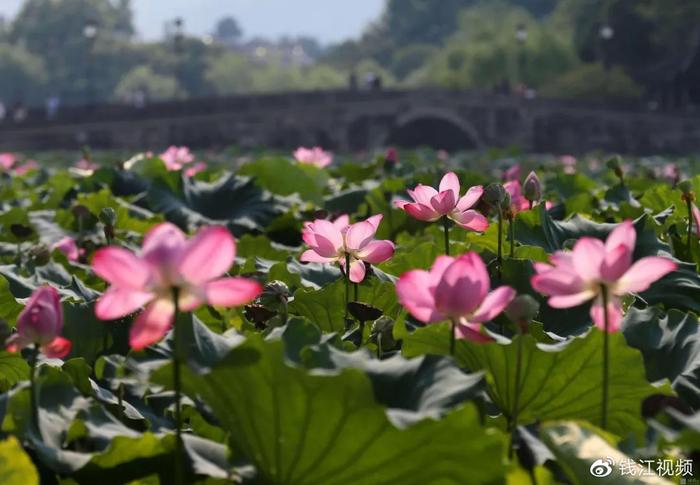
{"x":360,"y":120}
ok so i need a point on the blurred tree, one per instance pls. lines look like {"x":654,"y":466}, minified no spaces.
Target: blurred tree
{"x":657,"y":42}
{"x":155,"y":87}
{"x":23,"y":75}
{"x":484,"y":52}
{"x":57,"y":31}
{"x":592,"y":81}
{"x":411,"y":58}
{"x":228,"y":31}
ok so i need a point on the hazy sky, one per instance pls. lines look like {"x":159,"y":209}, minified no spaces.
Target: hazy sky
{"x":327,"y":20}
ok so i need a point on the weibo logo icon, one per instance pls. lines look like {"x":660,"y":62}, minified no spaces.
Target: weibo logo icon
{"x":601,"y":468}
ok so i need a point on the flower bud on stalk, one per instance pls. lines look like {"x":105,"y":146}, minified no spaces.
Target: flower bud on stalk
{"x":40,"y":323}
{"x":522,"y":310}
{"x":614,"y":165}
{"x":495,"y":195}
{"x":532,"y":188}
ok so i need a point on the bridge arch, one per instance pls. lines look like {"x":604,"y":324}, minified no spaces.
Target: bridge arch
{"x":434,"y":127}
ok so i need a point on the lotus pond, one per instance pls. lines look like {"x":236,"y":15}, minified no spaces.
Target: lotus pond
{"x":404,"y":318}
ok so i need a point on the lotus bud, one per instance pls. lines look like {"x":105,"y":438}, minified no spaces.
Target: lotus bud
{"x":614,"y":165}
{"x":108,"y":216}
{"x":494,"y":195}
{"x":41,"y":323}
{"x":40,"y":254}
{"x":522,"y":310}
{"x":686,"y":187}
{"x":391,"y":158}
{"x":505,"y":203}
{"x":532,"y":188}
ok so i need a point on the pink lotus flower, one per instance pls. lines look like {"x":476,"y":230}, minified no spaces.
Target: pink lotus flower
{"x":169,"y":260}
{"x":313,"y":156}
{"x":670,"y":173}
{"x":332,"y":242}
{"x":195,"y":169}
{"x":7,"y":160}
{"x":696,"y":217}
{"x":513,"y":173}
{"x":518,"y":202}
{"x":40,"y":323}
{"x":86,"y":165}
{"x":455,"y":289}
{"x":68,"y":247}
{"x":175,"y":158}
{"x":569,"y":163}
{"x":593,"y":267}
{"x":26,"y":167}
{"x":430,"y":205}
{"x":391,"y":157}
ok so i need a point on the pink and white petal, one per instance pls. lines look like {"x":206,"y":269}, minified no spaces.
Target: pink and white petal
{"x":462,"y":287}
{"x":470,"y":219}
{"x":472,"y":332}
{"x":359,"y":235}
{"x":470,"y":199}
{"x":377,"y":252}
{"x":572,"y":300}
{"x":400,"y":203}
{"x":557,"y":282}
{"x":190,"y":299}
{"x":152,"y":324}
{"x":119,"y":302}
{"x":614,"y":314}
{"x":207,"y":255}
{"x":58,"y":348}
{"x":311,"y":256}
{"x":228,"y":292}
{"x":450,"y":182}
{"x":375,"y":220}
{"x":422,"y":194}
{"x":121,"y":267}
{"x":438,"y":268}
{"x":342,"y":222}
{"x":163,"y":243}
{"x":421,"y":212}
{"x":494,"y":303}
{"x":588,"y":255}
{"x":696,"y":218}
{"x":623,"y":234}
{"x":643,"y":273}
{"x":357,"y":271}
{"x":615,"y":263}
{"x":416,"y":293}
{"x":329,"y":239}
{"x":444,"y":202}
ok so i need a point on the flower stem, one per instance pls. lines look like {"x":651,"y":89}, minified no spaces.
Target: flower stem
{"x":453,"y":327}
{"x":446,"y":228}
{"x":347,"y":286}
{"x":689,"y":205}
{"x":513,"y":421}
{"x":511,"y":235}
{"x":356,"y":291}
{"x":177,"y":384}
{"x":499,"y":259}
{"x":606,"y":345}
{"x":32,"y":387}
{"x":531,"y":204}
